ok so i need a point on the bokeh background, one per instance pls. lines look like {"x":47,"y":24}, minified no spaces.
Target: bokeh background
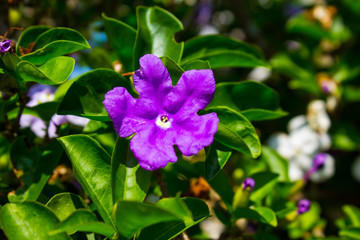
{"x":312,"y":46}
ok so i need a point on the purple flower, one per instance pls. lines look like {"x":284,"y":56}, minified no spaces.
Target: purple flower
{"x":5,"y":46}
{"x":303,"y":206}
{"x":318,"y":163}
{"x":164,"y":115}
{"x":248,"y":182}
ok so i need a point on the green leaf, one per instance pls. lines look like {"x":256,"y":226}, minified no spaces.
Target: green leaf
{"x":29,"y":221}
{"x":43,"y":170}
{"x":64,"y":204}
{"x":155,"y":34}
{"x":276,"y":163}
{"x":197,"y":65}
{"x":352,"y":232}
{"x":175,"y":71}
{"x":221,"y":52}
{"x":177,"y":207}
{"x":261,"y":214}
{"x":91,"y":164}
{"x":10,"y":61}
{"x":255,"y":101}
{"x":236,"y":132}
{"x":220,"y":183}
{"x":29,"y":36}
{"x":86,"y":94}
{"x":353,"y":213}
{"x":56,"y":42}
{"x":84,"y":221}
{"x":131,"y":216}
{"x":215,"y":161}
{"x":128,"y":180}
{"x":168,"y":230}
{"x":122,"y":39}
{"x":55,"y":71}
{"x":299,"y":24}
{"x":264,"y":184}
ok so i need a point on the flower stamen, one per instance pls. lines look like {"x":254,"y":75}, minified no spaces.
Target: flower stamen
{"x":164,"y":119}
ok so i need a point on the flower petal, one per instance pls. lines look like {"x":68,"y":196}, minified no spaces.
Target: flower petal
{"x":152,"y":80}
{"x":193,"y":92}
{"x":129,"y":115}
{"x":195,"y":133}
{"x":153,"y":147}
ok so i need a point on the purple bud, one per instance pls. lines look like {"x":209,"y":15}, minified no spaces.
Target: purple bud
{"x":5,"y":46}
{"x":303,"y":206}
{"x":319,"y":160}
{"x":248,"y":182}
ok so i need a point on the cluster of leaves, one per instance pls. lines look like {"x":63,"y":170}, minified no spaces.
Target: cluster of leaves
{"x":113,"y":202}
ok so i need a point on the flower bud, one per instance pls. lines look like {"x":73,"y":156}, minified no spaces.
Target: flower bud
{"x":248,"y":182}
{"x":5,"y":46}
{"x":303,"y":206}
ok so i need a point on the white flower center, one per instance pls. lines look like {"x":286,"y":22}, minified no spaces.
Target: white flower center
{"x":163,"y":121}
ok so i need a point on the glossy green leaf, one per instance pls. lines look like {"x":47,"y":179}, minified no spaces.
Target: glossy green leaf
{"x":42,"y":172}
{"x":264,"y":184}
{"x":353,"y":213}
{"x":84,"y":221}
{"x":91,"y":164}
{"x":155,"y":34}
{"x":236,"y":132}
{"x":85,"y":96}
{"x":221,"y":52}
{"x":276,"y":163}
{"x":55,"y":42}
{"x":261,"y":214}
{"x":168,"y":230}
{"x":29,"y":36}
{"x":64,"y":204}
{"x":128,"y":180}
{"x":122,"y":39}
{"x":253,"y":100}
{"x":131,"y":216}
{"x":197,"y":65}
{"x":353,"y":233}
{"x":29,"y":221}
{"x":55,"y":71}
{"x":215,"y":161}
{"x":175,"y":71}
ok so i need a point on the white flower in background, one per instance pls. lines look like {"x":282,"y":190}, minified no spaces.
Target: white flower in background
{"x":259,"y":74}
{"x":41,"y":94}
{"x":304,"y":141}
{"x":317,"y":116}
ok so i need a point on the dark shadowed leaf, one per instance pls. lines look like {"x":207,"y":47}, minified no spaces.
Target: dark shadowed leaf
{"x":253,"y":100}
{"x":122,"y":39}
{"x":86,"y":94}
{"x":131,"y":216}
{"x":221,"y":52}
{"x":42,"y":171}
